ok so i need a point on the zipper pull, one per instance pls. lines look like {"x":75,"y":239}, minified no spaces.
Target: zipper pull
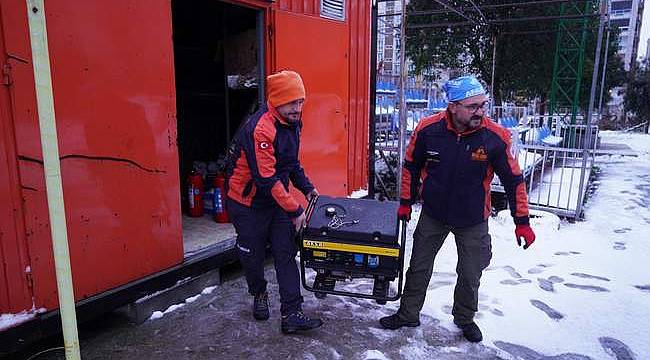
{"x":458,"y":139}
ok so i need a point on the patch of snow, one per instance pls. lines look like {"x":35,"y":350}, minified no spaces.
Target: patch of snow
{"x":357,"y":194}
{"x":10,"y":320}
{"x":208,"y":290}
{"x":373,"y":355}
{"x":192,"y":299}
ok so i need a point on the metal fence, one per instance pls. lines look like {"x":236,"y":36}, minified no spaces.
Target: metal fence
{"x":555,"y":157}
{"x":556,"y":160}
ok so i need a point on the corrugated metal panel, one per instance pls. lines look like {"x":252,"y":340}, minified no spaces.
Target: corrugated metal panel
{"x":113,"y":82}
{"x":324,"y":66}
{"x":15,"y":294}
{"x":359,"y":19}
{"x":307,"y":7}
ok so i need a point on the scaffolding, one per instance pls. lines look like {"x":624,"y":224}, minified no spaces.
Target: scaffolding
{"x":578,"y":139}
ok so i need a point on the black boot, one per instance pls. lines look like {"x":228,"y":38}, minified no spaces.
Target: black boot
{"x":261,"y":306}
{"x":297,"y":321}
{"x":394,"y":322}
{"x":471,"y":332}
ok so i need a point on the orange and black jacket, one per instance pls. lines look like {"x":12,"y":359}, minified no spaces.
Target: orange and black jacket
{"x":452,"y":171}
{"x":266,"y":149}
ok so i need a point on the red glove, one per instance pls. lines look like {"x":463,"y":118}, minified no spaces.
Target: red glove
{"x":526,"y":232}
{"x":404,"y":212}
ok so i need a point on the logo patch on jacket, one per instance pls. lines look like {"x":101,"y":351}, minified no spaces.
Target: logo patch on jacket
{"x":264,"y":145}
{"x":479,"y":154}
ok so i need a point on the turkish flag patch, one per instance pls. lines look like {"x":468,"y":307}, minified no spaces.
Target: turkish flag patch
{"x":264,"y":145}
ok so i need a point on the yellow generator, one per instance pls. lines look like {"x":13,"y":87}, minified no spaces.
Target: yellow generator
{"x":348,"y":239}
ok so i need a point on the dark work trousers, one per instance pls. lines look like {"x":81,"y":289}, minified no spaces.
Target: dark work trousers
{"x":474,"y":253}
{"x":257,"y":227}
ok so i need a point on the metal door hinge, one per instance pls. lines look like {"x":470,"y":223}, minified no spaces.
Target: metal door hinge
{"x":6,"y":75}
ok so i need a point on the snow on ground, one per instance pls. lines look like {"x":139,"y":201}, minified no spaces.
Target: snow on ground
{"x":11,"y":320}
{"x":583,"y":289}
{"x":580,"y":292}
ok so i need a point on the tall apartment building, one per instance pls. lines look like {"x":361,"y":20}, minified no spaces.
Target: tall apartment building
{"x":388,"y":37}
{"x":627,"y":16}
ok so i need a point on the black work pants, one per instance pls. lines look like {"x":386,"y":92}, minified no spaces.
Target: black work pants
{"x":474,"y":254}
{"x":256,"y":227}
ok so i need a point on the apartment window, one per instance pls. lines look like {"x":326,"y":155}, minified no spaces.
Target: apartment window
{"x":621,"y":5}
{"x":620,"y":23}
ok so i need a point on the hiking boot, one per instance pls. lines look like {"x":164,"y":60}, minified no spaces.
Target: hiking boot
{"x":471,"y":332}
{"x":394,"y":322}
{"x":261,"y":306}
{"x":297,"y":321}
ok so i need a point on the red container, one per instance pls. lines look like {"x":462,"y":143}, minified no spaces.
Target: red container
{"x":112,"y":65}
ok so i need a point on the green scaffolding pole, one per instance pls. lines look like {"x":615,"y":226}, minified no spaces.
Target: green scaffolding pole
{"x":568,"y":64}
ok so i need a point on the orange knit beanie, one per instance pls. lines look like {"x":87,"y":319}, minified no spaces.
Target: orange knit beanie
{"x":284,"y":87}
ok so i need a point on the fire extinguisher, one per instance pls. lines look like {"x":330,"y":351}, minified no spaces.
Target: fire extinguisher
{"x":195,"y":195}
{"x":219,"y":185}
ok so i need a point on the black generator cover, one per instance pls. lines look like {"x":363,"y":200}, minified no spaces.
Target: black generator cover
{"x":377,"y":221}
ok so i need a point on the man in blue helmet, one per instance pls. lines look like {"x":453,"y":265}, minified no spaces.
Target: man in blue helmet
{"x":451,"y":160}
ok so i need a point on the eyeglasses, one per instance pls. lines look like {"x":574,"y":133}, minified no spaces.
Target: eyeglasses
{"x":474,"y":107}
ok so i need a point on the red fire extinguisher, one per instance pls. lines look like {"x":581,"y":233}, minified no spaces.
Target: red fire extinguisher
{"x":219,"y":185}
{"x":195,"y":195}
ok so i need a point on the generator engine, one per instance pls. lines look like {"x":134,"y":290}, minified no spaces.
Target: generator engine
{"x":347,"y":239}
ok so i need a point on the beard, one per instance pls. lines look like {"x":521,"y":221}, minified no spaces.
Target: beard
{"x":474,"y":121}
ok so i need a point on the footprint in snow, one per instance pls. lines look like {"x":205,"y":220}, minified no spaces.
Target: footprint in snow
{"x":512,"y":272}
{"x":643,"y":287}
{"x":616,"y":348}
{"x":586,"y":287}
{"x":587,"y":276}
{"x":622,"y":230}
{"x":567,"y":253}
{"x":496,"y":312}
{"x":514,"y":282}
{"x":545,"y":285}
{"x":619,"y":246}
{"x":522,"y":352}
{"x":549,"y":311}
{"x":539,"y":268}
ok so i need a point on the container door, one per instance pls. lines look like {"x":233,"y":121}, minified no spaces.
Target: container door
{"x":317,"y":48}
{"x":15,"y":274}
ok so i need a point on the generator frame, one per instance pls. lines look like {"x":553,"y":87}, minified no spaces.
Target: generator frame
{"x":367,"y":274}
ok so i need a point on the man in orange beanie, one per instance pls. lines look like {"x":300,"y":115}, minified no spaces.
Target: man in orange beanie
{"x":262,"y":210}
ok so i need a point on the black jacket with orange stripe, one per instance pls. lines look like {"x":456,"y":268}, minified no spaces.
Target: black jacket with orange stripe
{"x":266,"y":149}
{"x":452,"y":171}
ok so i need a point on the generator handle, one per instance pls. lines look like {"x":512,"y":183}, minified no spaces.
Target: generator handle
{"x":402,"y":250}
